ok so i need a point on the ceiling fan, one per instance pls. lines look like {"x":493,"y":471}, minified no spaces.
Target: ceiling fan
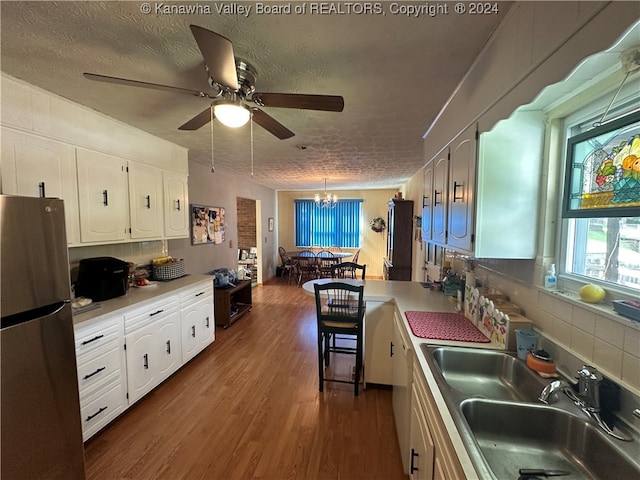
{"x":233,"y":84}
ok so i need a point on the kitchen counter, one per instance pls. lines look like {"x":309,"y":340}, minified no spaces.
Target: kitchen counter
{"x":409,"y":296}
{"x":137,"y":296}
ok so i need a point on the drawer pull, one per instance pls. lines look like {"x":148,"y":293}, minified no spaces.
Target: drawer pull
{"x":198,"y":294}
{"x":146,"y":361}
{"x":413,"y":456}
{"x":193,"y":331}
{"x":97,"y":337}
{"x":91,"y":417}
{"x":156,"y":313}
{"x":89,"y":375}
{"x":169,"y":347}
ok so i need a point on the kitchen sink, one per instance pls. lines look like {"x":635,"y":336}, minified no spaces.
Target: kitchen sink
{"x":493,"y":398}
{"x":518,"y":435}
{"x":486,"y":373}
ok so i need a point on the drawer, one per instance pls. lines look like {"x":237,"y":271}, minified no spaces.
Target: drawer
{"x":90,"y":336}
{"x":101,"y":409}
{"x":143,"y":316}
{"x":200,"y":292}
{"x":96,"y":371}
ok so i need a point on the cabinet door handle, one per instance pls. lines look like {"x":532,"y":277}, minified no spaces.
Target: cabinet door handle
{"x":100,"y":410}
{"x":435,"y":198}
{"x":391,"y":349}
{"x":168,"y":347}
{"x":178,"y":204}
{"x":105,"y":198}
{"x":456,"y":198}
{"x":89,"y":375}
{"x":146,"y":361}
{"x":97,"y":337}
{"x":193,"y":331}
{"x":413,"y":456}
{"x":156,"y":313}
{"x":207,"y":322}
{"x":148,"y":197}
{"x":41,"y":188}
{"x":425,"y":201}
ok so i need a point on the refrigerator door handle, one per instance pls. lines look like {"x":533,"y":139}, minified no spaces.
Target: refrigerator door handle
{"x":41,"y":312}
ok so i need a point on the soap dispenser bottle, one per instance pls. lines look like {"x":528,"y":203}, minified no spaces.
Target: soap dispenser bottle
{"x":550,"y":279}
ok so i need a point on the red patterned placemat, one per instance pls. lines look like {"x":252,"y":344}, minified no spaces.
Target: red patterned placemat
{"x":444,"y":326}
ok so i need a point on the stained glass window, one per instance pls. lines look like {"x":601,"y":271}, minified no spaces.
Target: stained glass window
{"x":603,"y":171}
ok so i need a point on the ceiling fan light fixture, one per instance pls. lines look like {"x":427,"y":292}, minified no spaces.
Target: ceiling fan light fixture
{"x":232,"y":114}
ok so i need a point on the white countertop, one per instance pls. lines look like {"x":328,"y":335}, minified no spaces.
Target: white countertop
{"x":137,"y":296}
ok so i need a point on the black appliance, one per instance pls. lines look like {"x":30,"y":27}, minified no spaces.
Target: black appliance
{"x":102,"y":278}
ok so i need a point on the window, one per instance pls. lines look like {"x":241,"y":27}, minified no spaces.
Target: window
{"x":601,"y":228}
{"x":328,"y":227}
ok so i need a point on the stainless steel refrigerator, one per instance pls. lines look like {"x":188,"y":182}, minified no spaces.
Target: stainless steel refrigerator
{"x":41,"y":433}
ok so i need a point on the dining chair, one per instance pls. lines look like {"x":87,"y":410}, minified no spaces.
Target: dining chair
{"x":326,"y":259}
{"x":355,"y":256}
{"x":340,"y":309}
{"x":348,"y":270}
{"x":307,"y":265}
{"x":288,"y":264}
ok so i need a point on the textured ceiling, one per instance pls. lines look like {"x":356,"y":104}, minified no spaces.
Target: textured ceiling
{"x":394,"y":71}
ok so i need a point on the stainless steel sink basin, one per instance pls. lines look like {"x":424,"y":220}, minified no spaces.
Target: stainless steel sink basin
{"x":486,"y":373}
{"x":493,"y":399}
{"x":516,"y":435}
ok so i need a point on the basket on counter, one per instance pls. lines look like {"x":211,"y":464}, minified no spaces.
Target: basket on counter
{"x":169,"y":270}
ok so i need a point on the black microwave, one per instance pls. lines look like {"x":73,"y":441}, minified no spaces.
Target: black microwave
{"x":102,"y":278}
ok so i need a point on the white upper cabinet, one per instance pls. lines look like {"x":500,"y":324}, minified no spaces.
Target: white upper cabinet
{"x":462,"y":177}
{"x":33,"y":166}
{"x":427,"y":202}
{"x":439,"y":197}
{"x":103,"y":196}
{"x":176,"y":205}
{"x":145,"y":201}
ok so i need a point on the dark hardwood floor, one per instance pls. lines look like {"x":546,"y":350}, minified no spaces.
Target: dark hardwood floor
{"x":248,"y":407}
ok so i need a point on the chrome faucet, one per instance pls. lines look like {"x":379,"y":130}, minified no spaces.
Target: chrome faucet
{"x":589,"y":380}
{"x":587,"y":398}
{"x":557,"y":386}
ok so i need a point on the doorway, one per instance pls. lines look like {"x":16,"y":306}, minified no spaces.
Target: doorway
{"x":249,"y":233}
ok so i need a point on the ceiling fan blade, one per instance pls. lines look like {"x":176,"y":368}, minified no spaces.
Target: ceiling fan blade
{"x":217,"y":52}
{"x":136,"y":83}
{"x":198,"y":121}
{"x":271,"y":125}
{"x":328,"y":103}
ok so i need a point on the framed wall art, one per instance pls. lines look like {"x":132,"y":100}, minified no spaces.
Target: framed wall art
{"x":207,"y":225}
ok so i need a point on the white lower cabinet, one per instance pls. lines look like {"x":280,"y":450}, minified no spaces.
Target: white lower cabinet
{"x":122,"y":357}
{"x":430,"y":444}
{"x":153,"y":345}
{"x":101,"y":371}
{"x":422,"y":449}
{"x":401,"y":373}
{"x":378,"y":337}
{"x":197,"y":321}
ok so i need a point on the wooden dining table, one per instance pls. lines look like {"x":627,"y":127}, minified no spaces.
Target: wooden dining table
{"x":296,"y":255}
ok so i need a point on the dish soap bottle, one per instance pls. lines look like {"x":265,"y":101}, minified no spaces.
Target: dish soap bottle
{"x":550,"y":279}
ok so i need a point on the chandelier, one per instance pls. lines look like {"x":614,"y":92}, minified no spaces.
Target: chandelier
{"x":326,"y":201}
